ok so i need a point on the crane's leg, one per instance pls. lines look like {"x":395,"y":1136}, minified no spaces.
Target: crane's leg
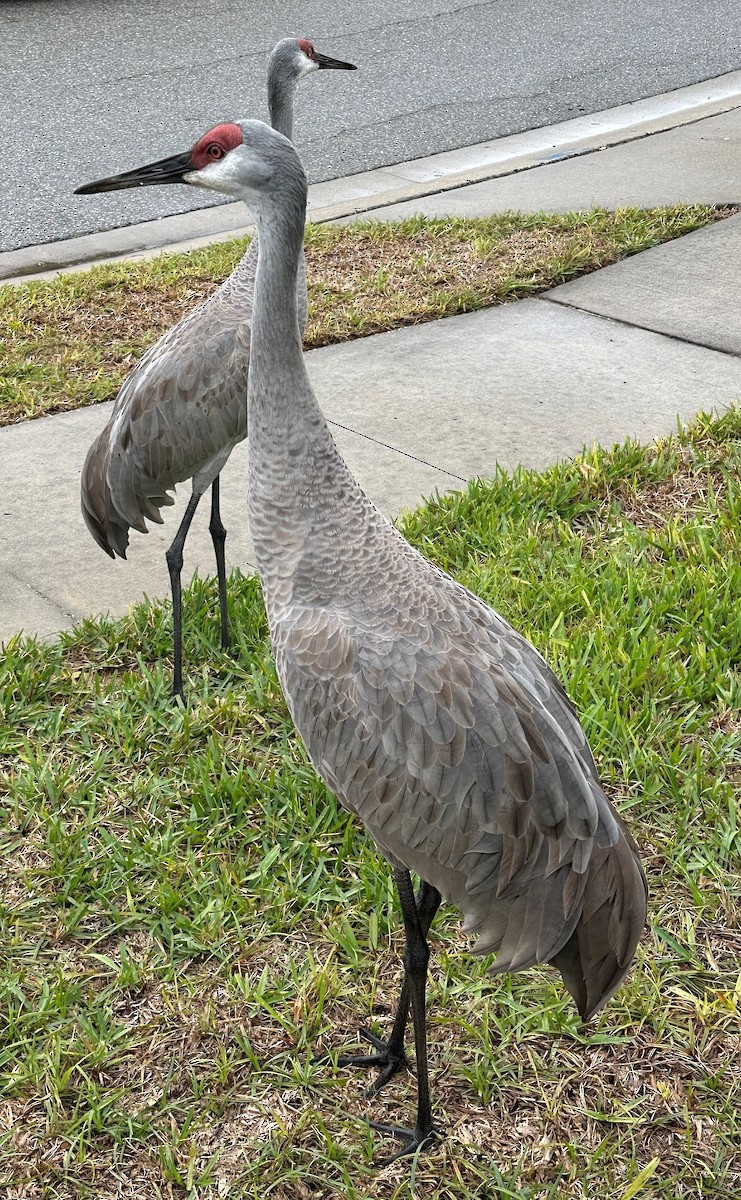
{"x":416,"y":958}
{"x":174,"y":558}
{"x":391,"y":1057}
{"x":218,"y":537}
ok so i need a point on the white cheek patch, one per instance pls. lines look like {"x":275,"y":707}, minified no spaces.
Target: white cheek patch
{"x":232,"y":175}
{"x":216,"y":176}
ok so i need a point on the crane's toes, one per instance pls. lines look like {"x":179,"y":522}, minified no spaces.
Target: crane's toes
{"x":389,"y":1060}
{"x":412,"y":1140}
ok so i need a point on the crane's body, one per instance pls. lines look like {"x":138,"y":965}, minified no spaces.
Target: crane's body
{"x":177,"y":416}
{"x":425,"y":712}
{"x":183,"y":409}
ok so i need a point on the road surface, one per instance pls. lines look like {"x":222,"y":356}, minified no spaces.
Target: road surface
{"x":95,"y":88}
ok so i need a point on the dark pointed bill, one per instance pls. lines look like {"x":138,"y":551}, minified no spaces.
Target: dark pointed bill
{"x":332,"y":64}
{"x":166,"y":170}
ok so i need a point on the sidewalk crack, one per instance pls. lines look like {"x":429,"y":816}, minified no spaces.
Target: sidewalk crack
{"x":26,"y":583}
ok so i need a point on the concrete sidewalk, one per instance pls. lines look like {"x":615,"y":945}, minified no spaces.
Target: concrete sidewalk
{"x":622,"y":352}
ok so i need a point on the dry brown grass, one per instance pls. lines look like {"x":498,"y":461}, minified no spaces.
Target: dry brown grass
{"x":681,"y":497}
{"x":71,"y":341}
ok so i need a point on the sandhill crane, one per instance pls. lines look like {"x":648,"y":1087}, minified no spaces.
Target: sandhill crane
{"x":183,"y":408}
{"x":425,"y":712}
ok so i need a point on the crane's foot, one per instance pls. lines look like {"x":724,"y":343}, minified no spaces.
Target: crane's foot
{"x":412,"y":1140}
{"x":389,"y":1060}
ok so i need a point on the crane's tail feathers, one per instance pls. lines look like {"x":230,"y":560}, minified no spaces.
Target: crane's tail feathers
{"x":96,"y":519}
{"x":94,"y":494}
{"x":117,"y":496}
{"x":110,"y":534}
{"x":98,"y":534}
{"x":597,"y":956}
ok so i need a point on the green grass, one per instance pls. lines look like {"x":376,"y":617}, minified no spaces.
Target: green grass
{"x":70,"y":341}
{"x":187,"y":918}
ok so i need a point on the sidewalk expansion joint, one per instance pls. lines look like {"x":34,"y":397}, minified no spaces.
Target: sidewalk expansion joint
{"x":387,"y":446}
{"x":674,"y":337}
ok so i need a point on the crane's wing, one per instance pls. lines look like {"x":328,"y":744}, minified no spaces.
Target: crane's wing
{"x":180,"y":412}
{"x":447,"y":733}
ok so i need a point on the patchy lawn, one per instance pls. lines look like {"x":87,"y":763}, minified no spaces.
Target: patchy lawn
{"x":70,"y":341}
{"x":187,"y":919}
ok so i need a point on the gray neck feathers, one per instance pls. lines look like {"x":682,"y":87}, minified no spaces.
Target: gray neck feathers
{"x":277,"y":373}
{"x":281,"y":90}
{"x":280,"y":102}
{"x":293,"y":461}
{"x":280,"y":233}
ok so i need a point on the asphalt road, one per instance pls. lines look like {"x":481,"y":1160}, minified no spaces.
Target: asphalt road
{"x":89,"y":88}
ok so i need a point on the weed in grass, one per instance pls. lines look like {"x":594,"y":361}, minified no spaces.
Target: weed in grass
{"x":187,"y":919}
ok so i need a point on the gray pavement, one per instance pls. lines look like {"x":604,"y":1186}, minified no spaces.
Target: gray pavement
{"x":91,"y":88}
{"x":622,"y":352}
{"x":51,"y":571}
{"x":693,"y":290}
{"x":697,"y":163}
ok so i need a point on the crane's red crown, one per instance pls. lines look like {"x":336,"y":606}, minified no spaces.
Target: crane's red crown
{"x":216,"y":144}
{"x":305,"y":45}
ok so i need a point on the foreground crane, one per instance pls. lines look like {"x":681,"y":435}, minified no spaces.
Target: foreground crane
{"x":428,"y":715}
{"x":183,"y":408}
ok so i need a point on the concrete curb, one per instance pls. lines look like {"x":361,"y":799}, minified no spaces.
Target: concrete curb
{"x":364,"y":193}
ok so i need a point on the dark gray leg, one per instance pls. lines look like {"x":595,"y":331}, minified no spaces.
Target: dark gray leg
{"x":218,"y":537}
{"x":174,"y":558}
{"x":391,"y":1057}
{"x":416,"y":958}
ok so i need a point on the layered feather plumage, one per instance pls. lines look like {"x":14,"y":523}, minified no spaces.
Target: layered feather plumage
{"x":178,"y":415}
{"x":446,"y":732}
{"x":424,"y":711}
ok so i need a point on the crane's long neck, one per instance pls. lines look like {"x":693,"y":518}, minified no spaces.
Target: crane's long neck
{"x":280,"y":103}
{"x":275,"y":338}
{"x":294,"y":465}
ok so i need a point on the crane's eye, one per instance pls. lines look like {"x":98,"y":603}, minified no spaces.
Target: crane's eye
{"x":215,"y":151}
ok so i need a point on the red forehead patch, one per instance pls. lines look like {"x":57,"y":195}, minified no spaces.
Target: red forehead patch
{"x":216,"y":144}
{"x":305,"y":45}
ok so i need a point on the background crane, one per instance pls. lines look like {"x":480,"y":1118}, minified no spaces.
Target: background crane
{"x":183,"y":409}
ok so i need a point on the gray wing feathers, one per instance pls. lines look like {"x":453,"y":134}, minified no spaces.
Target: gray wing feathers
{"x":595,"y":959}
{"x":180,"y":412}
{"x":462,"y":755}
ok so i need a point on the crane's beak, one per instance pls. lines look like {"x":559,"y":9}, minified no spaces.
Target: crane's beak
{"x":332,"y":64}
{"x":167,"y":170}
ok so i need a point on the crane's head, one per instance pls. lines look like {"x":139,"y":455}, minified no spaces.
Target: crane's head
{"x":293,"y":58}
{"x":239,"y":158}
